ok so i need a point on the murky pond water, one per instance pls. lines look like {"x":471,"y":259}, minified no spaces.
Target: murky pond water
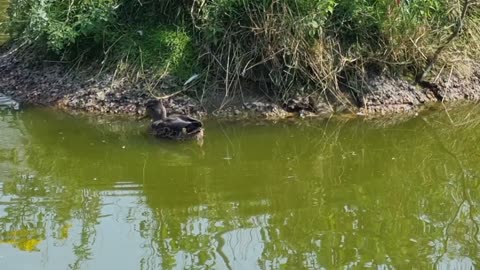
{"x":86,"y":193}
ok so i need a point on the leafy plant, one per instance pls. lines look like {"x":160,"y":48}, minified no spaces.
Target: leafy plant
{"x":282,"y":46}
{"x":61,"y":24}
{"x":166,"y":48}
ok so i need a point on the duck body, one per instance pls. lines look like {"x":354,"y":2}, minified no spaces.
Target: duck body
{"x":178,"y":127}
{"x":175,"y":127}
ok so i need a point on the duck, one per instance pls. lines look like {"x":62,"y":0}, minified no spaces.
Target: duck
{"x":175,"y":127}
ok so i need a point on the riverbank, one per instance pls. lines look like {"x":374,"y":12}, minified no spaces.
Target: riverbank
{"x":55,"y":84}
{"x":270,"y":59}
{"x":263,"y":59}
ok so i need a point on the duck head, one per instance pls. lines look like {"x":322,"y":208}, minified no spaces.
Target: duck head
{"x":155,"y":109}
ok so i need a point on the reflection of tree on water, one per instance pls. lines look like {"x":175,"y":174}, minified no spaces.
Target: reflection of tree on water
{"x":330,"y":195}
{"x":73,"y":167}
{"x":413,"y":211}
{"x":392,"y":214}
{"x":459,"y":242}
{"x":88,"y":217}
{"x":22,"y":225}
{"x":41,"y":204}
{"x":20,"y":222}
{"x":12,"y":156}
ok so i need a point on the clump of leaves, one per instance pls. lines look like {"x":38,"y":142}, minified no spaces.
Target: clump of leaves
{"x":165,"y":48}
{"x":61,"y":23}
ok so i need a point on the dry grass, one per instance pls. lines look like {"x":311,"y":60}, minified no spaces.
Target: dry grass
{"x":273,"y":46}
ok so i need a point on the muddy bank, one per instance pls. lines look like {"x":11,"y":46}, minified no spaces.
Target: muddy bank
{"x":55,"y":84}
{"x":384,"y":95}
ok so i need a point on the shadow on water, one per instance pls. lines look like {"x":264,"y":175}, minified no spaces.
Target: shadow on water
{"x":89,"y":193}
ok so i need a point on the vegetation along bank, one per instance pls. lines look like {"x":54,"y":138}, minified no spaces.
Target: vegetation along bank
{"x":270,"y":58}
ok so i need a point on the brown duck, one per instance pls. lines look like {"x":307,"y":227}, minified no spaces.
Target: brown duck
{"x":176,"y":127}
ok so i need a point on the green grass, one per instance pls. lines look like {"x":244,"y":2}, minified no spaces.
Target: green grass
{"x":163,"y":48}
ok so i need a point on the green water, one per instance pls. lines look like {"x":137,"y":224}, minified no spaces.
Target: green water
{"x":87,"y":193}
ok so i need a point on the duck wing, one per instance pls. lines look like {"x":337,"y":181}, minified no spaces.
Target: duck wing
{"x":159,"y":128}
{"x":194,"y":123}
{"x":183,"y":124}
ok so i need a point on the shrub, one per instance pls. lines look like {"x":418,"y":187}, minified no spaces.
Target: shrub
{"x":60,"y":24}
{"x":320,"y":43}
{"x":283,"y":45}
{"x":167,"y":48}
{"x":115,"y":30}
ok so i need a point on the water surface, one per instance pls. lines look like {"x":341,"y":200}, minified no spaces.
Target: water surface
{"x":92,"y":193}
